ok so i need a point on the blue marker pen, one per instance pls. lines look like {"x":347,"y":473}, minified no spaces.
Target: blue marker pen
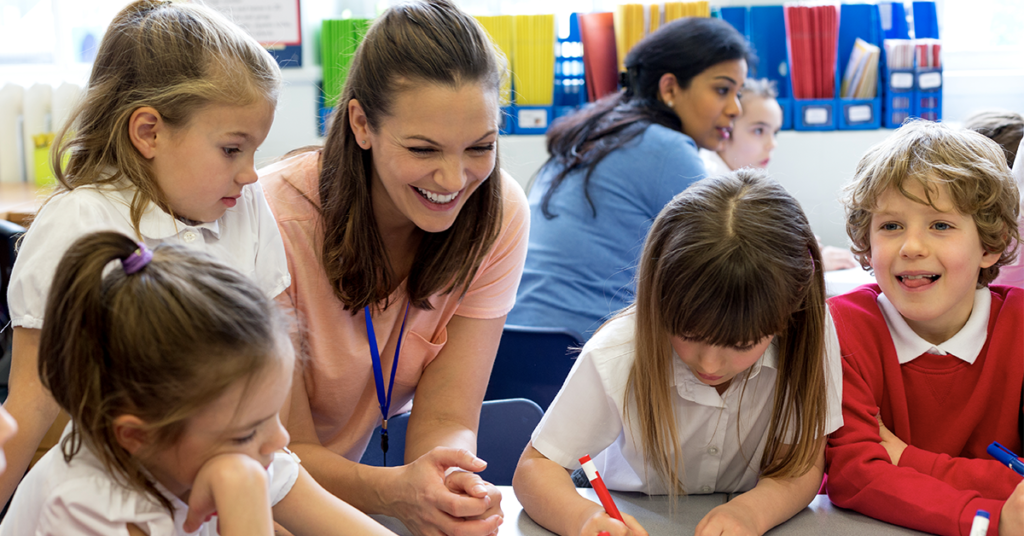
{"x":1006,"y":457}
{"x":980,"y":525}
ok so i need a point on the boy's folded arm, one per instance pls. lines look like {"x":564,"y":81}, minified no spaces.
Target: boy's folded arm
{"x":862,"y":477}
{"x":990,"y":478}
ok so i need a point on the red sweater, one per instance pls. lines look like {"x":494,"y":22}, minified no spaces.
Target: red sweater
{"x":946,"y":410}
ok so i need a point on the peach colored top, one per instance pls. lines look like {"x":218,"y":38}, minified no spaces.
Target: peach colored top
{"x":339,"y":374}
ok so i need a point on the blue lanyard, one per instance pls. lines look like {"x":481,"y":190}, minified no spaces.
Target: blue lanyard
{"x":383,"y":397}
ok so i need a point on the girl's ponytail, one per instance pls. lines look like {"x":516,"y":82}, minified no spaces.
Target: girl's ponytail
{"x":158,"y":336}
{"x":73,"y":362}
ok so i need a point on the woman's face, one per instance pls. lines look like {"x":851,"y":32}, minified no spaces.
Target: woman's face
{"x":434,"y":150}
{"x":710,"y":103}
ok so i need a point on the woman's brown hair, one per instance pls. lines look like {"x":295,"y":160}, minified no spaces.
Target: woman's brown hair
{"x":173,"y":56}
{"x":159,"y":344}
{"x":414,"y":43}
{"x":729,"y":261}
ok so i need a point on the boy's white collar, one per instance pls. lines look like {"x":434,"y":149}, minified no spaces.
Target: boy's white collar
{"x":966,"y":344}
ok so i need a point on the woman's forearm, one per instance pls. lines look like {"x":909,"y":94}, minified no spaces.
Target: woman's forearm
{"x":362,"y":486}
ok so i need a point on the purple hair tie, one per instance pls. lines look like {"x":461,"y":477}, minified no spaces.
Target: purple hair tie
{"x":137,"y":260}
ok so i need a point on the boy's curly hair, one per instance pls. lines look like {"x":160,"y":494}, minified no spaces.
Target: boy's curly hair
{"x":971,"y":167}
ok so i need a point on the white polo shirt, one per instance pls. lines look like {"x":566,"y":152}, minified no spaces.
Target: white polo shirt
{"x":965,"y":345}
{"x":246,"y":238}
{"x":81,"y":497}
{"x":722,"y":437}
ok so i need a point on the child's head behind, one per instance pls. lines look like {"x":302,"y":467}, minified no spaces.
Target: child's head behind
{"x":160,"y":345}
{"x":728,"y":262}
{"x":934,"y":158}
{"x":753,"y":136}
{"x":175,"y":58}
{"x":1001,"y":126}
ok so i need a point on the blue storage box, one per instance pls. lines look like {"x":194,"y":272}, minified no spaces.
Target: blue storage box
{"x":737,"y":16}
{"x":864,"y":22}
{"x":928,"y":94}
{"x":507,"y":120}
{"x":766,"y":31}
{"x":899,"y":97}
{"x":786,"y":104}
{"x":814,"y":114}
{"x":533,"y":119}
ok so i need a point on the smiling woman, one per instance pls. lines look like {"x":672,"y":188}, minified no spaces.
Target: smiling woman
{"x":403,"y":234}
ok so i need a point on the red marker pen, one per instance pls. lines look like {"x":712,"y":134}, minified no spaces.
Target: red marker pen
{"x":599,"y":487}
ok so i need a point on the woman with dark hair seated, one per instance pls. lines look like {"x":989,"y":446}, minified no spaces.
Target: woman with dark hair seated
{"x":617,"y":162}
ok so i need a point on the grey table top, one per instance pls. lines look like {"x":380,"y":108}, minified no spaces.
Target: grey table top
{"x":659,"y":516}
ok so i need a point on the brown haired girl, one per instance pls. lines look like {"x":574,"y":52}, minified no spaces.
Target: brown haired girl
{"x":160,"y":148}
{"x":174,"y":368}
{"x":723,"y":376}
{"x":403,"y":231}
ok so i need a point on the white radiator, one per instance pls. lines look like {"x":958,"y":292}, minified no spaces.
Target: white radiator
{"x":25,"y":114}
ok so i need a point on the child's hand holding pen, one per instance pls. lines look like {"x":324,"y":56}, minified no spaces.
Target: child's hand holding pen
{"x":608,"y":521}
{"x":602,"y":524}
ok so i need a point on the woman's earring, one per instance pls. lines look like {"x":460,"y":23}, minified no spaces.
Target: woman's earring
{"x":362,"y":142}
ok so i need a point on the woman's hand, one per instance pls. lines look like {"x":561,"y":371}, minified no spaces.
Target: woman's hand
{"x":600,"y":521}
{"x":470,"y":484}
{"x":233,"y":486}
{"x":727,"y":520}
{"x":893,"y":445}
{"x":428,"y":506}
{"x":833,"y":258}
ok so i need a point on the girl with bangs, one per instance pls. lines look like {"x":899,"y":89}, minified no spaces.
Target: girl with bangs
{"x":722,"y":377}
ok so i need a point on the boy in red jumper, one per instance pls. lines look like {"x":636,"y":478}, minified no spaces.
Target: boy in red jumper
{"x":931,"y":352}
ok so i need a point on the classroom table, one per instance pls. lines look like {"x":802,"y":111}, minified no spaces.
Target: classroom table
{"x":658,"y":515}
{"x":19,"y":201}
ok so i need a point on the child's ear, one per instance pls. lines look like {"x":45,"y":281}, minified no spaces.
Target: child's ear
{"x":131,"y":433}
{"x":144,"y":127}
{"x":989,"y":258}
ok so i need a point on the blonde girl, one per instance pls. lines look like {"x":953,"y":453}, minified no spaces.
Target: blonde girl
{"x":723,"y":376}
{"x":160,"y":148}
{"x":174,"y":368}
{"x":752,"y":139}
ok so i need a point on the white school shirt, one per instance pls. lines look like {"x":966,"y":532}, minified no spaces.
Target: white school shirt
{"x":713,"y":163}
{"x":586,"y":417}
{"x":246,"y":238}
{"x":965,"y":345}
{"x":81,"y":498}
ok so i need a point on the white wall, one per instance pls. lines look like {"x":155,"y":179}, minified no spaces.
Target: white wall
{"x":813,"y":166}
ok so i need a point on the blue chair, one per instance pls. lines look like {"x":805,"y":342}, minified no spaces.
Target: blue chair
{"x":505,"y":428}
{"x":532,"y":363}
{"x":9,"y":234}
